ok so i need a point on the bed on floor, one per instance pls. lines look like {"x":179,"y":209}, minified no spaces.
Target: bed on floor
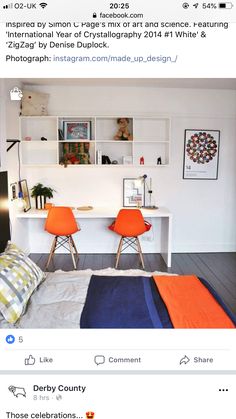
{"x":112,"y":298}
{"x":107,"y":298}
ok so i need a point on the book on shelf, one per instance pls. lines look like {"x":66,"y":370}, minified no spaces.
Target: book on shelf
{"x":99,"y":156}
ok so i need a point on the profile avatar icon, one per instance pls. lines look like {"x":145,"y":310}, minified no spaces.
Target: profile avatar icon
{"x":90,"y":415}
{"x":17,"y":391}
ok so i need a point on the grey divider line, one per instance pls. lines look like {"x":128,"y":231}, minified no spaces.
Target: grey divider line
{"x":154,"y":372}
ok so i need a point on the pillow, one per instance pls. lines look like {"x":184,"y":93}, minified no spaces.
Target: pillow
{"x":19,"y":277}
{"x":34,"y":103}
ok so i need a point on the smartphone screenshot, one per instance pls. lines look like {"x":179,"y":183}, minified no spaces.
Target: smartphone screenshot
{"x":117,"y":209}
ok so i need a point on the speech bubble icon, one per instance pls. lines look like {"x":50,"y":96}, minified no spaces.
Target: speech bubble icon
{"x":99,"y":359}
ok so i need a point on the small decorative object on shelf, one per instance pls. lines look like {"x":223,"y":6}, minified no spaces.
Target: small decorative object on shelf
{"x":141,"y":160}
{"x":28,"y":138}
{"x":114,"y":162}
{"x":60,"y":135}
{"x":43,"y":139}
{"x":127,"y":160}
{"x":63,"y":162}
{"x":159,"y":160}
{"x":41,"y":193}
{"x":106,"y":160}
{"x":123,"y":133}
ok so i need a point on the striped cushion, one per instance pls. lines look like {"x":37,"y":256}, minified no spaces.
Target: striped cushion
{"x":19,"y":277}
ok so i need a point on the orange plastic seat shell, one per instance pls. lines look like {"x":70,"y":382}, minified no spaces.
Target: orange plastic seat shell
{"x":130,"y":223}
{"x":61,"y":222}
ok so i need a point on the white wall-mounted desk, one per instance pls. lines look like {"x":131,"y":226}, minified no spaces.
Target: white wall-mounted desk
{"x":94,"y":236}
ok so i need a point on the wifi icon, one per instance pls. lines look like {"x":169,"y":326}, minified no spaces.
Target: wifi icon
{"x":43,"y":5}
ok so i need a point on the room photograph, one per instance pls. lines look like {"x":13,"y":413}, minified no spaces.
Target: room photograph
{"x":117,"y":203}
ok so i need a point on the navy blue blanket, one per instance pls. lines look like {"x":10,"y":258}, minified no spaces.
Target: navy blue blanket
{"x":128,"y":302}
{"x":119,"y":302}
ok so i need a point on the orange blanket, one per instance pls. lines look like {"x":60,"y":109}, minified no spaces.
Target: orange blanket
{"x":190,"y":304}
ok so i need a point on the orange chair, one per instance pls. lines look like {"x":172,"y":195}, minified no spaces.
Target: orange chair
{"x":61,"y":223}
{"x":129,"y":224}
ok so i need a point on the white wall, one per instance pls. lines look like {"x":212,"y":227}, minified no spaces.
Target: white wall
{"x":3,"y":163}
{"x":10,"y":130}
{"x":203,"y":210}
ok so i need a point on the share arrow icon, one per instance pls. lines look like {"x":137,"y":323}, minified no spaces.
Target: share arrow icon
{"x":185,"y":360}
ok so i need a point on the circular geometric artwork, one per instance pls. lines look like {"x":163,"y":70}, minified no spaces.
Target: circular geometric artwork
{"x":201,"y":147}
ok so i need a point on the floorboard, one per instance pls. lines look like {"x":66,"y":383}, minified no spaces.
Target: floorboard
{"x":219,"y":269}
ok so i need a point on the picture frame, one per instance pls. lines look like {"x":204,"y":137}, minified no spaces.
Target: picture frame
{"x":133,"y":193}
{"x":76,"y":130}
{"x":23,"y":187}
{"x":201,"y":154}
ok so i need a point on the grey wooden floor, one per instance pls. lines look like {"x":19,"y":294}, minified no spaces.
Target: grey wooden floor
{"x":219,"y":269}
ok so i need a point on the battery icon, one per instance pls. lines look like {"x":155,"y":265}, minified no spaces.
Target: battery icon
{"x":227,"y":5}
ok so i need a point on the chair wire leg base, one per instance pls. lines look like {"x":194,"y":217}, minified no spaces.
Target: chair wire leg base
{"x":62,"y":241}
{"x":126,"y":242}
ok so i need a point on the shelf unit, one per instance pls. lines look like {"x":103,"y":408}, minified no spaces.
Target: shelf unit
{"x":83,"y":140}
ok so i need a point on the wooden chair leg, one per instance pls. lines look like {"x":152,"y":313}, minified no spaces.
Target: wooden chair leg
{"x":140,"y":252}
{"x":53,"y":247}
{"x":74,"y":246}
{"x":119,"y":252}
{"x":71,"y":251}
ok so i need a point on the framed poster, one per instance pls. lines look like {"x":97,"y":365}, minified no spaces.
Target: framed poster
{"x":23,"y":187}
{"x":76,"y":130}
{"x":133,"y":193}
{"x":201,"y":154}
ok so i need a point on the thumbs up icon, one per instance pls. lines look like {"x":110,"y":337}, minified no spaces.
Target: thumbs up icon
{"x":30,"y":360}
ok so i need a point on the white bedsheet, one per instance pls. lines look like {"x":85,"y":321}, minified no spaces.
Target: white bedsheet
{"x":59,"y":300}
